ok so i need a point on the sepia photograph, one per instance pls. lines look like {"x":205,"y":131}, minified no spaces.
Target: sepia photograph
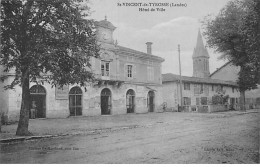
{"x":130,"y":82}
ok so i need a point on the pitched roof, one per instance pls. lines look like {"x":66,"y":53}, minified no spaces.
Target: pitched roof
{"x":105,"y":24}
{"x":169,"y":77}
{"x":220,"y":68}
{"x":200,"y":50}
{"x":128,"y":50}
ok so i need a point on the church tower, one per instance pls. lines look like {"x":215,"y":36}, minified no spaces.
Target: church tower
{"x":200,"y":59}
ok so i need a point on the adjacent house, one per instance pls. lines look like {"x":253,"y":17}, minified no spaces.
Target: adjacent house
{"x":199,"y":92}
{"x":129,"y":81}
{"x":229,"y":72}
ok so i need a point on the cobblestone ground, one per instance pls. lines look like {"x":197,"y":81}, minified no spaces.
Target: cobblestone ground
{"x":230,"y":137}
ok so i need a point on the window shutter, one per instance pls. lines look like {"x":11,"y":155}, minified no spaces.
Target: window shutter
{"x":152,"y":73}
{"x":196,"y":89}
{"x":125,"y":71}
{"x":206,"y":88}
{"x":134,"y":72}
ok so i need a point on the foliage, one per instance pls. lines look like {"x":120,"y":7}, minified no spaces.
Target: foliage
{"x":204,"y":100}
{"x":220,"y":97}
{"x":47,"y":37}
{"x":46,"y":41}
{"x":234,"y":32}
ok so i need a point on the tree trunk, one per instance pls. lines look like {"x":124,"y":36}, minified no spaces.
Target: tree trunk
{"x":22,"y":129}
{"x":0,"y":122}
{"x":242,"y":101}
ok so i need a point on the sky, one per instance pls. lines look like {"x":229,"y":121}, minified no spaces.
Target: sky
{"x":165,"y":29}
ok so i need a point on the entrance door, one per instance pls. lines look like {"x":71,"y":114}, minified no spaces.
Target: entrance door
{"x":150,"y":101}
{"x":37,"y":102}
{"x":130,"y":101}
{"x":106,"y":101}
{"x":75,"y":101}
{"x":232,"y":103}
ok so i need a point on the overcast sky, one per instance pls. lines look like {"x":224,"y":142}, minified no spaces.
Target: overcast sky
{"x":166,"y":29}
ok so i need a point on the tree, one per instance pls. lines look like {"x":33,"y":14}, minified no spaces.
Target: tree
{"x":235,"y":33}
{"x":220,"y":97}
{"x":46,"y":41}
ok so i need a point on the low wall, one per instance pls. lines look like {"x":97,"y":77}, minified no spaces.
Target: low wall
{"x":218,"y":108}
{"x":211,"y":108}
{"x":203,"y":108}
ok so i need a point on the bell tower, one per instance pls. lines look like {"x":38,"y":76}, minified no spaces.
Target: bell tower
{"x":105,"y":31}
{"x":200,"y":59}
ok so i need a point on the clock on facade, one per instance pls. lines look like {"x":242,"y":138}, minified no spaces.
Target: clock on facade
{"x":105,"y":36}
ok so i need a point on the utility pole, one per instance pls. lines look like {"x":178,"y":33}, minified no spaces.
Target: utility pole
{"x":179,"y":50}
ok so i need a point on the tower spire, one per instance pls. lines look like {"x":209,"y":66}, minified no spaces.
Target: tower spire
{"x":200,"y":50}
{"x":200,"y":43}
{"x":200,"y":59}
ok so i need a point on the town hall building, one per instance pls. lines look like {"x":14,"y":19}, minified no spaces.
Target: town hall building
{"x":128,"y":81}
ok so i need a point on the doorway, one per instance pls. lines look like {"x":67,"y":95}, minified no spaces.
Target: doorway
{"x":232,"y":103}
{"x":37,"y":102}
{"x":150,"y":101}
{"x":106,"y":101}
{"x":130,"y":101}
{"x":75,"y":101}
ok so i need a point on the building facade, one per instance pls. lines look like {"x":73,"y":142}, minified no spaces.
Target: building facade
{"x":128,"y":81}
{"x":229,"y":72}
{"x":199,"y":92}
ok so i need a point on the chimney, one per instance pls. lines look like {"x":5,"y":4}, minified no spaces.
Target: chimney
{"x":149,"y":47}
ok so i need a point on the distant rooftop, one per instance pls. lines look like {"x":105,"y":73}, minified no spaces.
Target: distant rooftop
{"x":125,"y":49}
{"x":227,"y":63}
{"x":169,"y":77}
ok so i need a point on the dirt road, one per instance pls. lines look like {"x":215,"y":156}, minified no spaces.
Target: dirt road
{"x":193,"y":138}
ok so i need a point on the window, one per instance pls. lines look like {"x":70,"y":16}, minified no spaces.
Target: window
{"x":212,"y":87}
{"x":201,"y":88}
{"x":233,"y":89}
{"x":104,"y":68}
{"x":204,"y":101}
{"x":186,"y":86}
{"x":129,"y":71}
{"x":186,"y":101}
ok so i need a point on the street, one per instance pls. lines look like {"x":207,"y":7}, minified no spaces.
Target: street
{"x":172,"y":138}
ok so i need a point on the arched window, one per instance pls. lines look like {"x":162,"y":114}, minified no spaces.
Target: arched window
{"x":106,"y":104}
{"x":37,"y":89}
{"x":150,"y":101}
{"x":75,"y":101}
{"x":130,"y":101}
